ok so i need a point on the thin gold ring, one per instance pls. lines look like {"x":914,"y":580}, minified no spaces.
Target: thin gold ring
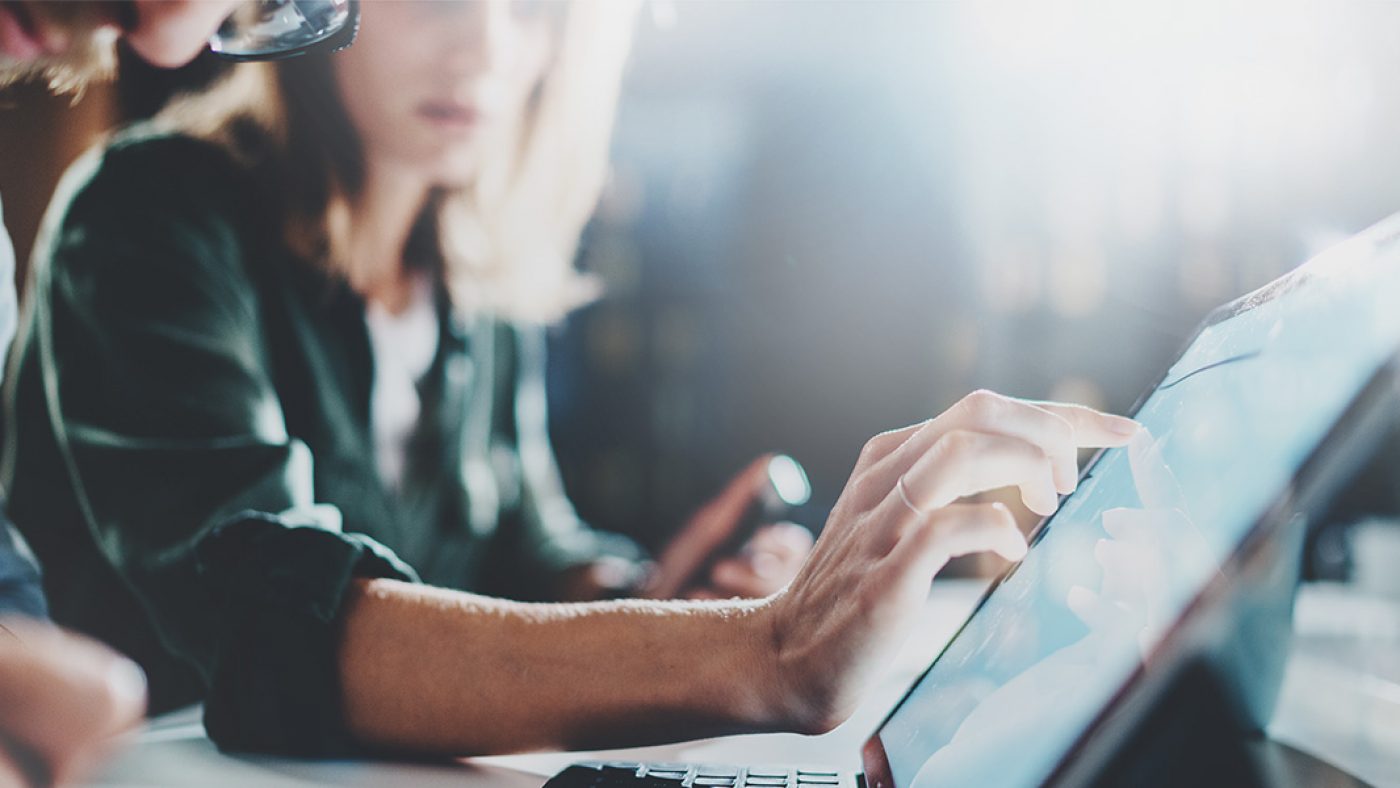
{"x":904,"y":496}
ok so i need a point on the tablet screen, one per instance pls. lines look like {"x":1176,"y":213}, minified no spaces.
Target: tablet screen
{"x":1226,"y":431}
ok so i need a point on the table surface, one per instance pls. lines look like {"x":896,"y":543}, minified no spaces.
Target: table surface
{"x":1340,"y":702}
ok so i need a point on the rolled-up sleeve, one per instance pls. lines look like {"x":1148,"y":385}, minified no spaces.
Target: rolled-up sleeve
{"x":157,"y":377}
{"x":274,"y":687}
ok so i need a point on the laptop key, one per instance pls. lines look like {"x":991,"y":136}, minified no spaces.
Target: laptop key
{"x":667,"y":771}
{"x":711,"y":781}
{"x":758,"y":780}
{"x":768,"y":772}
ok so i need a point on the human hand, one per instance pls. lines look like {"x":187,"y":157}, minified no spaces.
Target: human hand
{"x":764,"y":565}
{"x":898,"y":522}
{"x":64,"y":700}
{"x":768,"y":562}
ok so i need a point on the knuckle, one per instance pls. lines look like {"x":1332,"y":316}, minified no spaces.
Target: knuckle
{"x":1032,"y":460}
{"x":981,"y":403}
{"x":1073,"y":411}
{"x":1061,"y":430}
{"x":871,"y":449}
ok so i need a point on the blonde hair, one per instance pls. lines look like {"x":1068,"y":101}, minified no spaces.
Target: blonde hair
{"x":506,"y":242}
{"x":91,"y":54}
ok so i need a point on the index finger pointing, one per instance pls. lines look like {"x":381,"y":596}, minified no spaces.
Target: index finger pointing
{"x":1093,"y":429}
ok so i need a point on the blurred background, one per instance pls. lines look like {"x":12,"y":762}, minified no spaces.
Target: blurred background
{"x":831,"y":218}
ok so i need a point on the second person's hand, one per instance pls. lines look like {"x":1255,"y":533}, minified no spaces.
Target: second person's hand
{"x":690,"y":566}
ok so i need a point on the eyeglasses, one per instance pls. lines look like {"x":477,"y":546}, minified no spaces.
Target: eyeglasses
{"x":277,"y":29}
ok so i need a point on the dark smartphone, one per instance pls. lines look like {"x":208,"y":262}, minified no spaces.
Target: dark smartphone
{"x":785,"y":487}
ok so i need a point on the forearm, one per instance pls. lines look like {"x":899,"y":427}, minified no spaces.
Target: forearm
{"x":437,"y":670}
{"x":443,"y":671}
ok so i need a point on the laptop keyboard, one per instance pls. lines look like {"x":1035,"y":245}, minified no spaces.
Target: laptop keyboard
{"x":626,"y":774}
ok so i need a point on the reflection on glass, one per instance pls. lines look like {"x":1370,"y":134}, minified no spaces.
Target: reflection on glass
{"x":1227,"y":430}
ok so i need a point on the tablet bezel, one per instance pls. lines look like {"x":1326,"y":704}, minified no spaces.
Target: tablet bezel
{"x":1341,"y":435}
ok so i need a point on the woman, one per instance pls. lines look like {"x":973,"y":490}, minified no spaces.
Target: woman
{"x":461,"y":173}
{"x":268,"y":361}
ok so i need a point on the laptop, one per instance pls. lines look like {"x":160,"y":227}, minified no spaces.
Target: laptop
{"x":1181,"y":547}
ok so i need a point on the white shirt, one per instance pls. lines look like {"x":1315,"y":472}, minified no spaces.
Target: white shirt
{"x":8,"y":309}
{"x":403,"y":346}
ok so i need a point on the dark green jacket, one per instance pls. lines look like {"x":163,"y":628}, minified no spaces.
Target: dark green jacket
{"x":189,"y":448}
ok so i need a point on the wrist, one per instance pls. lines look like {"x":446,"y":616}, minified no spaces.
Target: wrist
{"x":795,"y":684}
{"x":765,"y":688}
{"x":721,"y":662}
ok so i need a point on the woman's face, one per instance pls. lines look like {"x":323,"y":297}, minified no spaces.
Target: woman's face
{"x":428,"y":81}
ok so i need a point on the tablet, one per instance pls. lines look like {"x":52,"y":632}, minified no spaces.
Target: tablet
{"x":1260,"y":395}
